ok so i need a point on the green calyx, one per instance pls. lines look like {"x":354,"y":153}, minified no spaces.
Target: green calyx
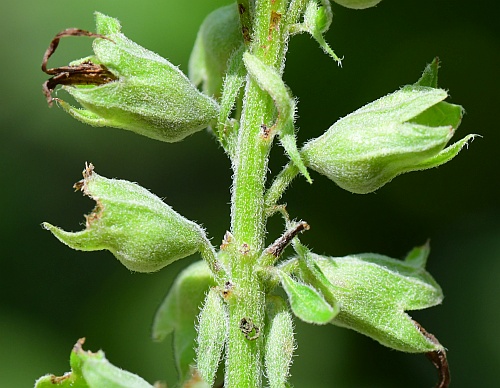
{"x":150,"y":96}
{"x":92,"y":370}
{"x":401,"y":132}
{"x":142,"y":232}
{"x":374,"y":293}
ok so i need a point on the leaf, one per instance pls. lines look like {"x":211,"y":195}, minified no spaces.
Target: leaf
{"x":306,"y":303}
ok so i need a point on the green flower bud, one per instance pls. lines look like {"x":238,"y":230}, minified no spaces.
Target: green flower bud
{"x":219,"y":36}
{"x":178,"y":312}
{"x":90,"y":370}
{"x":213,"y":325}
{"x":401,"y":132}
{"x":126,"y":86}
{"x":374,"y":293}
{"x":358,"y":4}
{"x":142,"y":232}
{"x":280,"y":342}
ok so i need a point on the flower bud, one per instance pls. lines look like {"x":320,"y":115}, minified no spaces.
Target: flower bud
{"x":374,"y":293}
{"x":358,"y":4}
{"x":218,"y":37}
{"x":126,"y":86}
{"x":91,"y":370}
{"x":213,"y":325}
{"x":401,"y":132}
{"x":280,"y":342}
{"x":179,"y":310}
{"x":142,"y":232}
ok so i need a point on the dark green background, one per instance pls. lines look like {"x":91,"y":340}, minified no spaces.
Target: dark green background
{"x":50,"y":295}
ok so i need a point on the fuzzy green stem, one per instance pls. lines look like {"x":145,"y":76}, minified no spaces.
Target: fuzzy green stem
{"x":246,"y":11}
{"x":208,"y":254}
{"x":244,"y":351}
{"x":278,"y":187}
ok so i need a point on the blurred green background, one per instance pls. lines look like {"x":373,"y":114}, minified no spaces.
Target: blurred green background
{"x":50,"y":295}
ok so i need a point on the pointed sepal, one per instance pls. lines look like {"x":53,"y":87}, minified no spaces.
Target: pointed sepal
{"x":306,"y":302}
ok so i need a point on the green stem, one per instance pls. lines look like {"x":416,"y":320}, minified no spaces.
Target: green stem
{"x":207,"y":252}
{"x":244,"y":353}
{"x":246,"y":11}
{"x":278,"y":187}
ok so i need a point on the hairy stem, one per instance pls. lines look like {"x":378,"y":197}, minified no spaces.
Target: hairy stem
{"x":278,"y":187}
{"x":246,"y":307}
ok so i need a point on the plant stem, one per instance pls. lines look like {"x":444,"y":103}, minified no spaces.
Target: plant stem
{"x":278,"y":187}
{"x":244,"y":353}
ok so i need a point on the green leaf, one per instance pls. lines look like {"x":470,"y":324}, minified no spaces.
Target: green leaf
{"x":375,"y":292}
{"x":306,"y":303}
{"x":92,"y":370}
{"x":142,"y":232}
{"x":213,"y":324}
{"x":269,"y":80}
{"x":177,"y":314}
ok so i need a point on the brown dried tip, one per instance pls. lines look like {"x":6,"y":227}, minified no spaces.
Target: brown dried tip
{"x":277,"y":247}
{"x":228,"y":239}
{"x":79,"y":345}
{"x":438,"y":359}
{"x":87,"y":173}
{"x":86,"y":73}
